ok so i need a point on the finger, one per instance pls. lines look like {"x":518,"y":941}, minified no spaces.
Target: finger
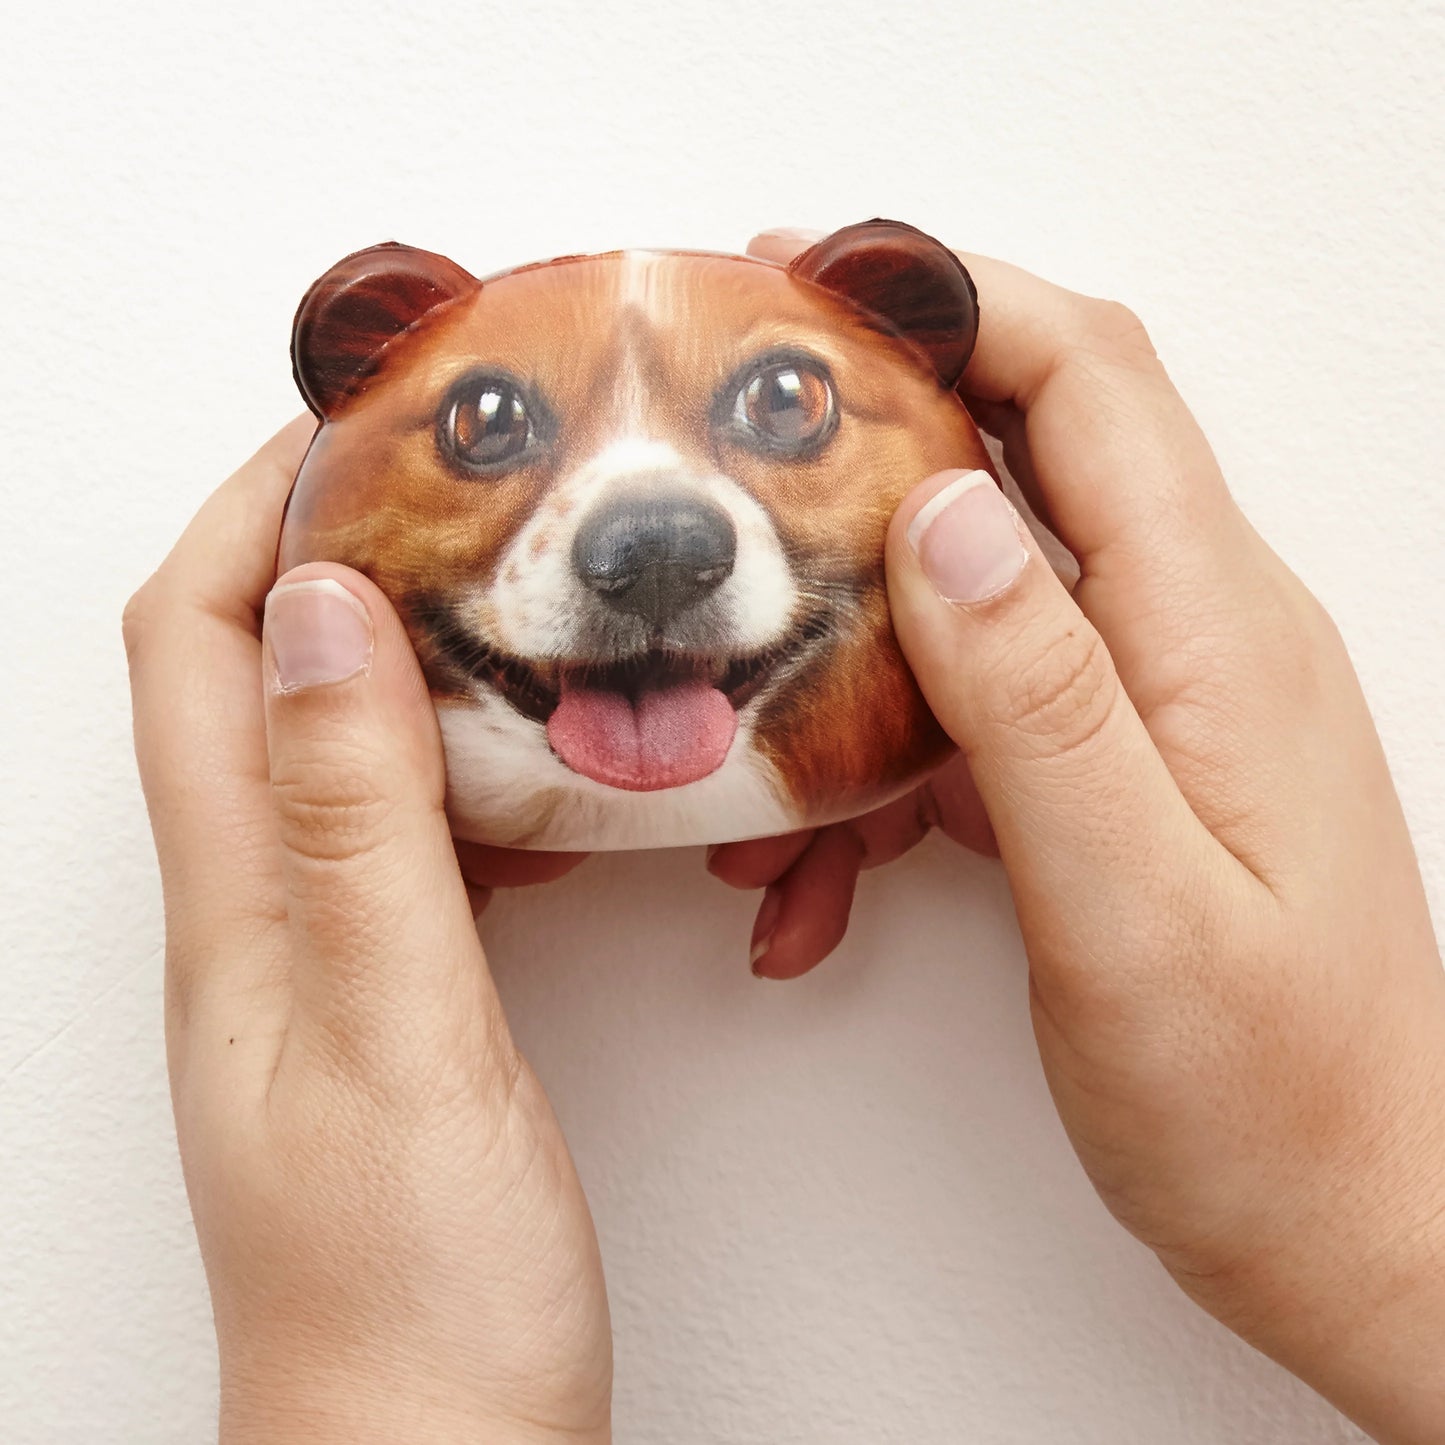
{"x":1118,"y":463}
{"x":1004,"y":421}
{"x":783,"y":243}
{"x":488,"y":867}
{"x":1080,"y":800}
{"x":1211,"y":634}
{"x":954,"y":806}
{"x":1106,"y":453}
{"x":1201,"y":619}
{"x":1114,"y":457}
{"x":192,"y":636}
{"x":804,"y":914}
{"x":388,"y":966}
{"x":948,"y":801}
{"x":756,"y":862}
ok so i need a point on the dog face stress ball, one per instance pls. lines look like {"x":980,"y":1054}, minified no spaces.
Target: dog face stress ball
{"x":631,"y":508}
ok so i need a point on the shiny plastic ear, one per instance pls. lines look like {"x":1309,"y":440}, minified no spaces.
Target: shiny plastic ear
{"x":904,"y":277}
{"x":357,"y":309}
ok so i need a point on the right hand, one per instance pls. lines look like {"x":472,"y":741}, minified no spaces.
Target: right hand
{"x":397,"y":1244}
{"x":1235,"y":987}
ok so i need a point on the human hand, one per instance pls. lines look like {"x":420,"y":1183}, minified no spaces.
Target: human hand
{"x":396,"y":1242}
{"x":1234,"y":983}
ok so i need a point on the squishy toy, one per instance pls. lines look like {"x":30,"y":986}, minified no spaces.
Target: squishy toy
{"x":631,"y":508}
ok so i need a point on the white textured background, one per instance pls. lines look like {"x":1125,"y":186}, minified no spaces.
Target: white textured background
{"x":836,"y":1211}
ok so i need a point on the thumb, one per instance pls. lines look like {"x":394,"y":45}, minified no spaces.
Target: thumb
{"x":384,"y":944}
{"x":1078,"y":796}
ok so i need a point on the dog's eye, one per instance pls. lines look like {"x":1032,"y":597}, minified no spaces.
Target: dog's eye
{"x":786,"y":406}
{"x":486,"y":423}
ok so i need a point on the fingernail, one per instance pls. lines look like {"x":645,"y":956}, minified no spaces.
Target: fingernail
{"x":318,"y":633}
{"x":967,"y":539}
{"x":790,"y":233}
{"x":772,"y":906}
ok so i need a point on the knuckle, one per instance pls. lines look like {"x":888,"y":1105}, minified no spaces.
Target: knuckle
{"x":136,"y":620}
{"x":1297,"y":644}
{"x":507,"y":1074}
{"x":1064,"y":697}
{"x":1315,"y":627}
{"x":422,"y":1075}
{"x":1112,"y":329}
{"x":331,"y":810}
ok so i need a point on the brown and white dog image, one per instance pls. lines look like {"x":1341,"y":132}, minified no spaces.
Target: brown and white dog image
{"x":631,"y":508}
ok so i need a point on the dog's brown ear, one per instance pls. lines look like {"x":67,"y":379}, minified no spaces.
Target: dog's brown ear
{"x":357,"y":309}
{"x":914,"y":283}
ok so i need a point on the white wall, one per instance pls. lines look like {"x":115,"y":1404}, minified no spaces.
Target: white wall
{"x":837,"y":1211}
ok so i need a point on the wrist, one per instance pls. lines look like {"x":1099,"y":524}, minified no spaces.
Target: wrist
{"x":1347,"y":1289}
{"x":293,"y":1408}
{"x":415,"y":1425}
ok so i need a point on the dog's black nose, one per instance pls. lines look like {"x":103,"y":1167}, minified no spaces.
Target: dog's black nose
{"x":655,"y":557}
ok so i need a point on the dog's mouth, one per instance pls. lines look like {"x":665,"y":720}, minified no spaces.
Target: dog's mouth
{"x":658,"y":719}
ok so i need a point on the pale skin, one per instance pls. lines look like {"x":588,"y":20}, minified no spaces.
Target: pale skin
{"x":1235,"y":986}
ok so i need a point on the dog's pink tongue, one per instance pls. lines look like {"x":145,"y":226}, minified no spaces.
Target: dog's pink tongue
{"x":669,"y":736}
